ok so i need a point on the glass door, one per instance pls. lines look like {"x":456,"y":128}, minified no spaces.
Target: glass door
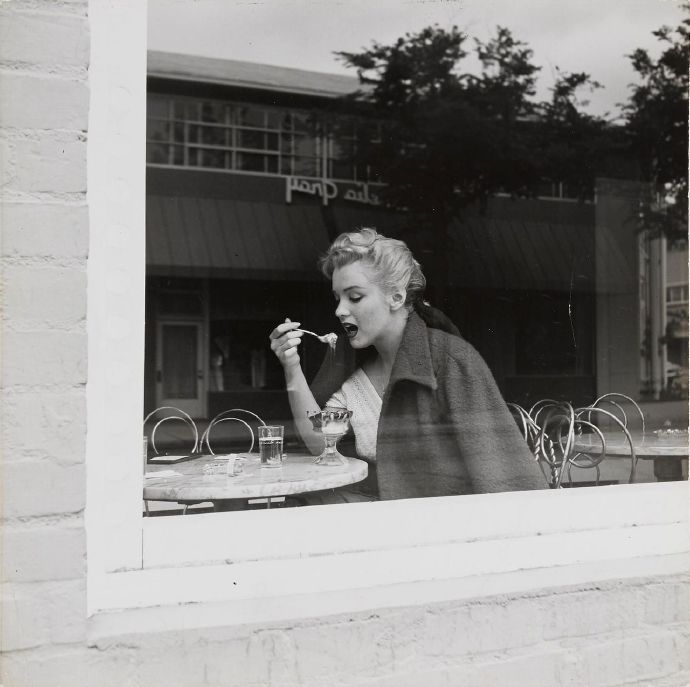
{"x":180,"y":368}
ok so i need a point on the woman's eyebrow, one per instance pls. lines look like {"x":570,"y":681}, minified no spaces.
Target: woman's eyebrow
{"x":349,"y":288}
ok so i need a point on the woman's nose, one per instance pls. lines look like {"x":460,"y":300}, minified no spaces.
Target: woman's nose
{"x":340,"y":310}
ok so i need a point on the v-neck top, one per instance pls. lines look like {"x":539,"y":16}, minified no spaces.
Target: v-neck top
{"x":359,"y":395}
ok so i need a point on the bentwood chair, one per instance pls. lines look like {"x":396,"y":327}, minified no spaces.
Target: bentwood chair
{"x":617,"y":404}
{"x":550,"y":429}
{"x":246,"y":419}
{"x":589,"y":420}
{"x":555,"y":420}
{"x":181,"y":434}
{"x":187,"y":438}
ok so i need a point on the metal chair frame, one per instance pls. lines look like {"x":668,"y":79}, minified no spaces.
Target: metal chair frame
{"x":550,"y":428}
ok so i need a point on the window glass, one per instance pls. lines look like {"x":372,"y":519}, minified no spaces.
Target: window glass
{"x":212,"y":158}
{"x":213,"y":135}
{"x":567,"y":294}
{"x":157,"y":107}
{"x":157,"y":153}
{"x":251,"y":162}
{"x":252,"y":116}
{"x":247,"y":138}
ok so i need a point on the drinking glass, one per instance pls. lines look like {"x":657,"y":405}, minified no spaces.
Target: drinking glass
{"x":271,"y":445}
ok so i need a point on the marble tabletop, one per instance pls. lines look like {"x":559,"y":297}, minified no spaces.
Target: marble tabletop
{"x":190,"y":481}
{"x":646,"y":446}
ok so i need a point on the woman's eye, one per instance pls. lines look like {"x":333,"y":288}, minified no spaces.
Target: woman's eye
{"x":355,"y":299}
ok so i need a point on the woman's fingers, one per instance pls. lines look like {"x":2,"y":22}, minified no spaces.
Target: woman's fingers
{"x":284,"y":327}
{"x":284,"y":341}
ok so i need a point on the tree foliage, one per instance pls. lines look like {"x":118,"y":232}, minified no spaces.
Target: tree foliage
{"x":657,"y":127}
{"x":452,"y":138}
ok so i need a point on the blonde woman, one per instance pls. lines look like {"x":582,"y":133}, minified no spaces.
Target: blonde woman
{"x":427,"y":414}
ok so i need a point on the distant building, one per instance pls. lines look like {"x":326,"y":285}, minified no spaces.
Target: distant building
{"x":248,"y":182}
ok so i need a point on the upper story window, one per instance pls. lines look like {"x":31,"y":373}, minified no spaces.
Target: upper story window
{"x":212,"y":134}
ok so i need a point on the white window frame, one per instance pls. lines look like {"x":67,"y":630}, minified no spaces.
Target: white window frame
{"x":257,"y":566}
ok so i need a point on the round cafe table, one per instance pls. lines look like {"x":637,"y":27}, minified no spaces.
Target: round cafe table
{"x":669,"y":453}
{"x":189,"y":482}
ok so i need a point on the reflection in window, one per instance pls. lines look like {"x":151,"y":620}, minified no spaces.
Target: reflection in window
{"x":247,"y":138}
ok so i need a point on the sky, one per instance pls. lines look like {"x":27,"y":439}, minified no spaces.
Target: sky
{"x":593,"y":36}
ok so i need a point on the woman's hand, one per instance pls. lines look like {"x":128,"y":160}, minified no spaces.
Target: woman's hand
{"x":284,"y":343}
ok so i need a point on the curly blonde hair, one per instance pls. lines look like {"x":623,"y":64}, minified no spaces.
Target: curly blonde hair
{"x":392,"y":262}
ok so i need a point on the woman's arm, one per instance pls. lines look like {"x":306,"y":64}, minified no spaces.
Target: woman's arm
{"x":284,"y":343}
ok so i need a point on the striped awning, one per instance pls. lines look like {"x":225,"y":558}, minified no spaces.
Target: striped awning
{"x":252,"y":239}
{"x":234,"y":239}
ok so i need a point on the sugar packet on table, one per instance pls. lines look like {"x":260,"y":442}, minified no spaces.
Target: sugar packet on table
{"x":230,"y":464}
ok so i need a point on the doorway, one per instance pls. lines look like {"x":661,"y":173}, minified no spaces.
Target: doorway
{"x":180,"y":366}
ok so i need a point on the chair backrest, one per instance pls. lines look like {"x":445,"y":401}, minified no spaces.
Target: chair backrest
{"x":584,"y":421}
{"x":556,"y":434}
{"x":616,"y":404}
{"x":168,"y":414}
{"x":547,"y":430}
{"x":246,"y":419}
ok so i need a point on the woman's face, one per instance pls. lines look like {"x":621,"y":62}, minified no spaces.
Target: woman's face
{"x":363,"y":309}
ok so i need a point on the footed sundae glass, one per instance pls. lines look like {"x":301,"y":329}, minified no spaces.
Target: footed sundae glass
{"x":333,"y":423}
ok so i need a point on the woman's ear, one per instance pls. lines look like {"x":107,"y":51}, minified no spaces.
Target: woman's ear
{"x":397,"y":300}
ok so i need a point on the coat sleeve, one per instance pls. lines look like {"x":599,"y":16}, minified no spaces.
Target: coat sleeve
{"x":489,"y":443}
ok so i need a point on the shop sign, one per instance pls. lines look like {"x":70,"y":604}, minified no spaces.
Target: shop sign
{"x":328,"y":190}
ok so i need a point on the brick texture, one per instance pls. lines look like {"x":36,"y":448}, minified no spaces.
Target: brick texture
{"x":54,"y":39}
{"x":42,"y":614}
{"x":49,"y":230}
{"x":45,"y":296}
{"x":405,"y":647}
{"x":40,"y":487}
{"x":44,"y":425}
{"x":39,"y":553}
{"x":48,"y":165}
{"x":33,"y":101}
{"x":45,"y":359}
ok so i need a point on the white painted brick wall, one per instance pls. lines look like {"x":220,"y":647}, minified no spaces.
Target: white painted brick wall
{"x":42,"y":613}
{"x":52,"y":38}
{"x":32,"y":299}
{"x":391,"y":647}
{"x":47,"y":549}
{"x":44,"y":424}
{"x":54,"y":231}
{"x":43,"y":119}
{"x":41,"y":487}
{"x":610,"y":635}
{"x":44,"y":358}
{"x":42,"y":101}
{"x":48,"y":164}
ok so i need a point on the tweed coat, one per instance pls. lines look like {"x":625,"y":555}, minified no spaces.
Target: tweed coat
{"x":444,"y":427}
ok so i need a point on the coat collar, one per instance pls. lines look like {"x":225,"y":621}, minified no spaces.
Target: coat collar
{"x":413,"y":360}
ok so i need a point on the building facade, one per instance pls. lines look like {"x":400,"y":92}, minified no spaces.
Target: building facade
{"x":250,"y":175}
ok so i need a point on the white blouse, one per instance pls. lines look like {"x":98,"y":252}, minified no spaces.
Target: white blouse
{"x":359,"y":395}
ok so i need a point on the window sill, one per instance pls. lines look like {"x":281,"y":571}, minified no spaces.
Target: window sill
{"x":527,"y":545}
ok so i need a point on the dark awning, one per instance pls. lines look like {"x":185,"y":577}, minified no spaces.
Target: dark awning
{"x":497,"y":252}
{"x":233,"y":239}
{"x":522,"y":255}
{"x":255,"y":239}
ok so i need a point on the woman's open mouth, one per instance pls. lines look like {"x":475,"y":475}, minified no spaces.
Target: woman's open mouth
{"x":350,"y":329}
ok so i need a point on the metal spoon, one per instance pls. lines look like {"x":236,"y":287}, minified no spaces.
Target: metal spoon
{"x":330,"y":339}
